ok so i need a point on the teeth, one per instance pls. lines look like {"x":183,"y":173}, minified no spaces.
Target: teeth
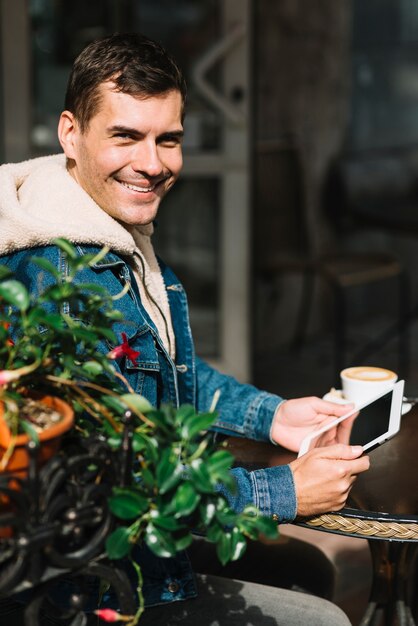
{"x":136,"y":188}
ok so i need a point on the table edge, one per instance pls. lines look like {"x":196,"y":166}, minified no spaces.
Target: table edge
{"x":365,"y":527}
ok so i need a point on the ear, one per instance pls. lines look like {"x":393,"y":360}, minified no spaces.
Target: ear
{"x":68,"y":131}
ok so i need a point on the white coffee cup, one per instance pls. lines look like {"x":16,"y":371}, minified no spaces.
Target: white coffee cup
{"x":364,"y":381}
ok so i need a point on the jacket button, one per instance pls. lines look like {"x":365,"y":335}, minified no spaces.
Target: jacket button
{"x":275,"y":517}
{"x":182,"y":368}
{"x":173,"y":587}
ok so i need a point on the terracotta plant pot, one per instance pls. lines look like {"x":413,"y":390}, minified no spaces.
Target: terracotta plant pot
{"x":49,"y":438}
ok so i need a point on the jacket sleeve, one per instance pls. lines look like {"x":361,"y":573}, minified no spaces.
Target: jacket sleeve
{"x":243,"y":409}
{"x":248,"y":412}
{"x":271,"y":490}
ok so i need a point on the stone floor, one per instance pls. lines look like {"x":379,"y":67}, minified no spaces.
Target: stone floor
{"x":306,"y":371}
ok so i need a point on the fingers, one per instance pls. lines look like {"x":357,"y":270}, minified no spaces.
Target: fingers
{"x":344,"y":430}
{"x":341,"y":451}
{"x":330,"y":408}
{"x":324,"y":477}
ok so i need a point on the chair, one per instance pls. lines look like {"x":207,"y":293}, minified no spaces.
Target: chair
{"x":340,"y":272}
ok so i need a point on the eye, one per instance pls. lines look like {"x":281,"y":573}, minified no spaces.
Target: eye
{"x":171,"y":140}
{"x":123,"y":135}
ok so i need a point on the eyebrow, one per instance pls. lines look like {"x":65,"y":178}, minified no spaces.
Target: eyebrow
{"x":176,"y":134}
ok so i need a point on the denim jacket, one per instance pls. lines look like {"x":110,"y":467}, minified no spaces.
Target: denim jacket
{"x":243,"y":410}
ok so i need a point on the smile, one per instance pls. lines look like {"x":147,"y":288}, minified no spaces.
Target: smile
{"x":137,"y":188}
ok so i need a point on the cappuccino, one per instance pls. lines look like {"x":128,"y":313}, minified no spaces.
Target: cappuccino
{"x":363,"y":382}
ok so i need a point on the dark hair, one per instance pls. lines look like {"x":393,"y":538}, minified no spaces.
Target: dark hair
{"x":137,"y":65}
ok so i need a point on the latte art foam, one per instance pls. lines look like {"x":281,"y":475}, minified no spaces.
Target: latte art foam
{"x":368,"y":374}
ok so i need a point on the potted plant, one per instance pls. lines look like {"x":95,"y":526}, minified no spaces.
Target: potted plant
{"x":43,"y":352}
{"x":46,"y":353}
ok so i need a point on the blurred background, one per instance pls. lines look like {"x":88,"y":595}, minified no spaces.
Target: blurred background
{"x":294,"y":226}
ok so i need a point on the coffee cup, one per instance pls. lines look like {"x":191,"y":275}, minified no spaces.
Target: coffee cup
{"x":363,"y":382}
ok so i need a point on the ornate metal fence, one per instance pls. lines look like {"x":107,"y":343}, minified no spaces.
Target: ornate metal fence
{"x":53,"y":527}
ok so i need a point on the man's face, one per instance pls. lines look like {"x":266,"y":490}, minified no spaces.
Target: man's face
{"x":130,"y":154}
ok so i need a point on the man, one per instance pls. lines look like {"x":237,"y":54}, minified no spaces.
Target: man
{"x":121,"y":134}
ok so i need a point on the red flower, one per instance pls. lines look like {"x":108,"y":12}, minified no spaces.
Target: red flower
{"x":124,"y":349}
{"x":107,"y":615}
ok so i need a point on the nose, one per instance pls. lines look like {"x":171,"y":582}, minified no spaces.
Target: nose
{"x":146,"y":159}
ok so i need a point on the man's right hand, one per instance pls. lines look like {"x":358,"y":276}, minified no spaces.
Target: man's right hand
{"x":324,"y":476}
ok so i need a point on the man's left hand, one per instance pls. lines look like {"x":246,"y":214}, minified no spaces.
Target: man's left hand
{"x":294,"y":419}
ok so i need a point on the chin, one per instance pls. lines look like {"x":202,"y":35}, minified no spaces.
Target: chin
{"x":135,"y":219}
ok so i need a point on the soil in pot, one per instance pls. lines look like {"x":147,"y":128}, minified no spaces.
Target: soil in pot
{"x":51,"y":417}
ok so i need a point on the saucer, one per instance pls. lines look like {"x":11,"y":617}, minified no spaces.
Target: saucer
{"x":406,"y":406}
{"x":336,"y":395}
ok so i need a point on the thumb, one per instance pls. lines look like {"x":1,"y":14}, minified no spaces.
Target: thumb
{"x":342,"y":451}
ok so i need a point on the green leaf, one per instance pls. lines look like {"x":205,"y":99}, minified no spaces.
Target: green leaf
{"x":183,"y":542}
{"x":118,"y":543}
{"x":127,"y":504}
{"x":92,"y":367}
{"x":105,"y":332}
{"x":115,"y":316}
{"x":113,"y":403}
{"x":219,"y":462}
{"x":251,"y":511}
{"x":197,"y":424}
{"x":66,"y":247}
{"x":114,"y":442}
{"x":137,"y":403}
{"x":92,"y":287}
{"x":207,"y":512}
{"x":185,"y":500}
{"x":5,"y":272}
{"x":169,"y":412}
{"x":57,"y":293}
{"x":200,"y":476}
{"x":165,"y":466}
{"x":238,"y":544}
{"x":226,"y":516}
{"x":51,"y":320}
{"x":145,"y":442}
{"x":159,"y":542}
{"x":47,"y":266}
{"x":248,"y":528}
{"x":224,"y":548}
{"x":15,"y":293}
{"x":147,"y":477}
{"x":214,"y":532}
{"x":84,"y":334}
{"x":267,"y":527}
{"x":160,"y":421}
{"x":168,"y":473}
{"x":29,"y":430}
{"x":166,"y":522}
{"x":183,"y":412}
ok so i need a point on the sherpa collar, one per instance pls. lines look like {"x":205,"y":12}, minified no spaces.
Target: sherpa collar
{"x":39,"y":200}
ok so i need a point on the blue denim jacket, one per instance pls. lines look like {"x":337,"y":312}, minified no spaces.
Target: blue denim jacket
{"x":243,"y":410}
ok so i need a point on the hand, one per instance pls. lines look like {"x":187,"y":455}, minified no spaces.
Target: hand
{"x":294,"y":419}
{"x":324,"y":476}
{"x":338,"y":434}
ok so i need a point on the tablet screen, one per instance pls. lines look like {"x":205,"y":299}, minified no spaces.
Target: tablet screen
{"x":372,"y":421}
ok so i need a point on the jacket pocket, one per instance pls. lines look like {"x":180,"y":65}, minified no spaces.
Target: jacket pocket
{"x":144,"y":374}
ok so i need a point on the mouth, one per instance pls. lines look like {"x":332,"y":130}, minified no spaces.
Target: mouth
{"x":141,"y":188}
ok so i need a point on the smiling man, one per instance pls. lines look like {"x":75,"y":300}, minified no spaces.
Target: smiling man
{"x":121,"y":134}
{"x":130,"y":155}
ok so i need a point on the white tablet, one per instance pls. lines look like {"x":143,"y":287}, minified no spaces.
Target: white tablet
{"x":373,"y":422}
